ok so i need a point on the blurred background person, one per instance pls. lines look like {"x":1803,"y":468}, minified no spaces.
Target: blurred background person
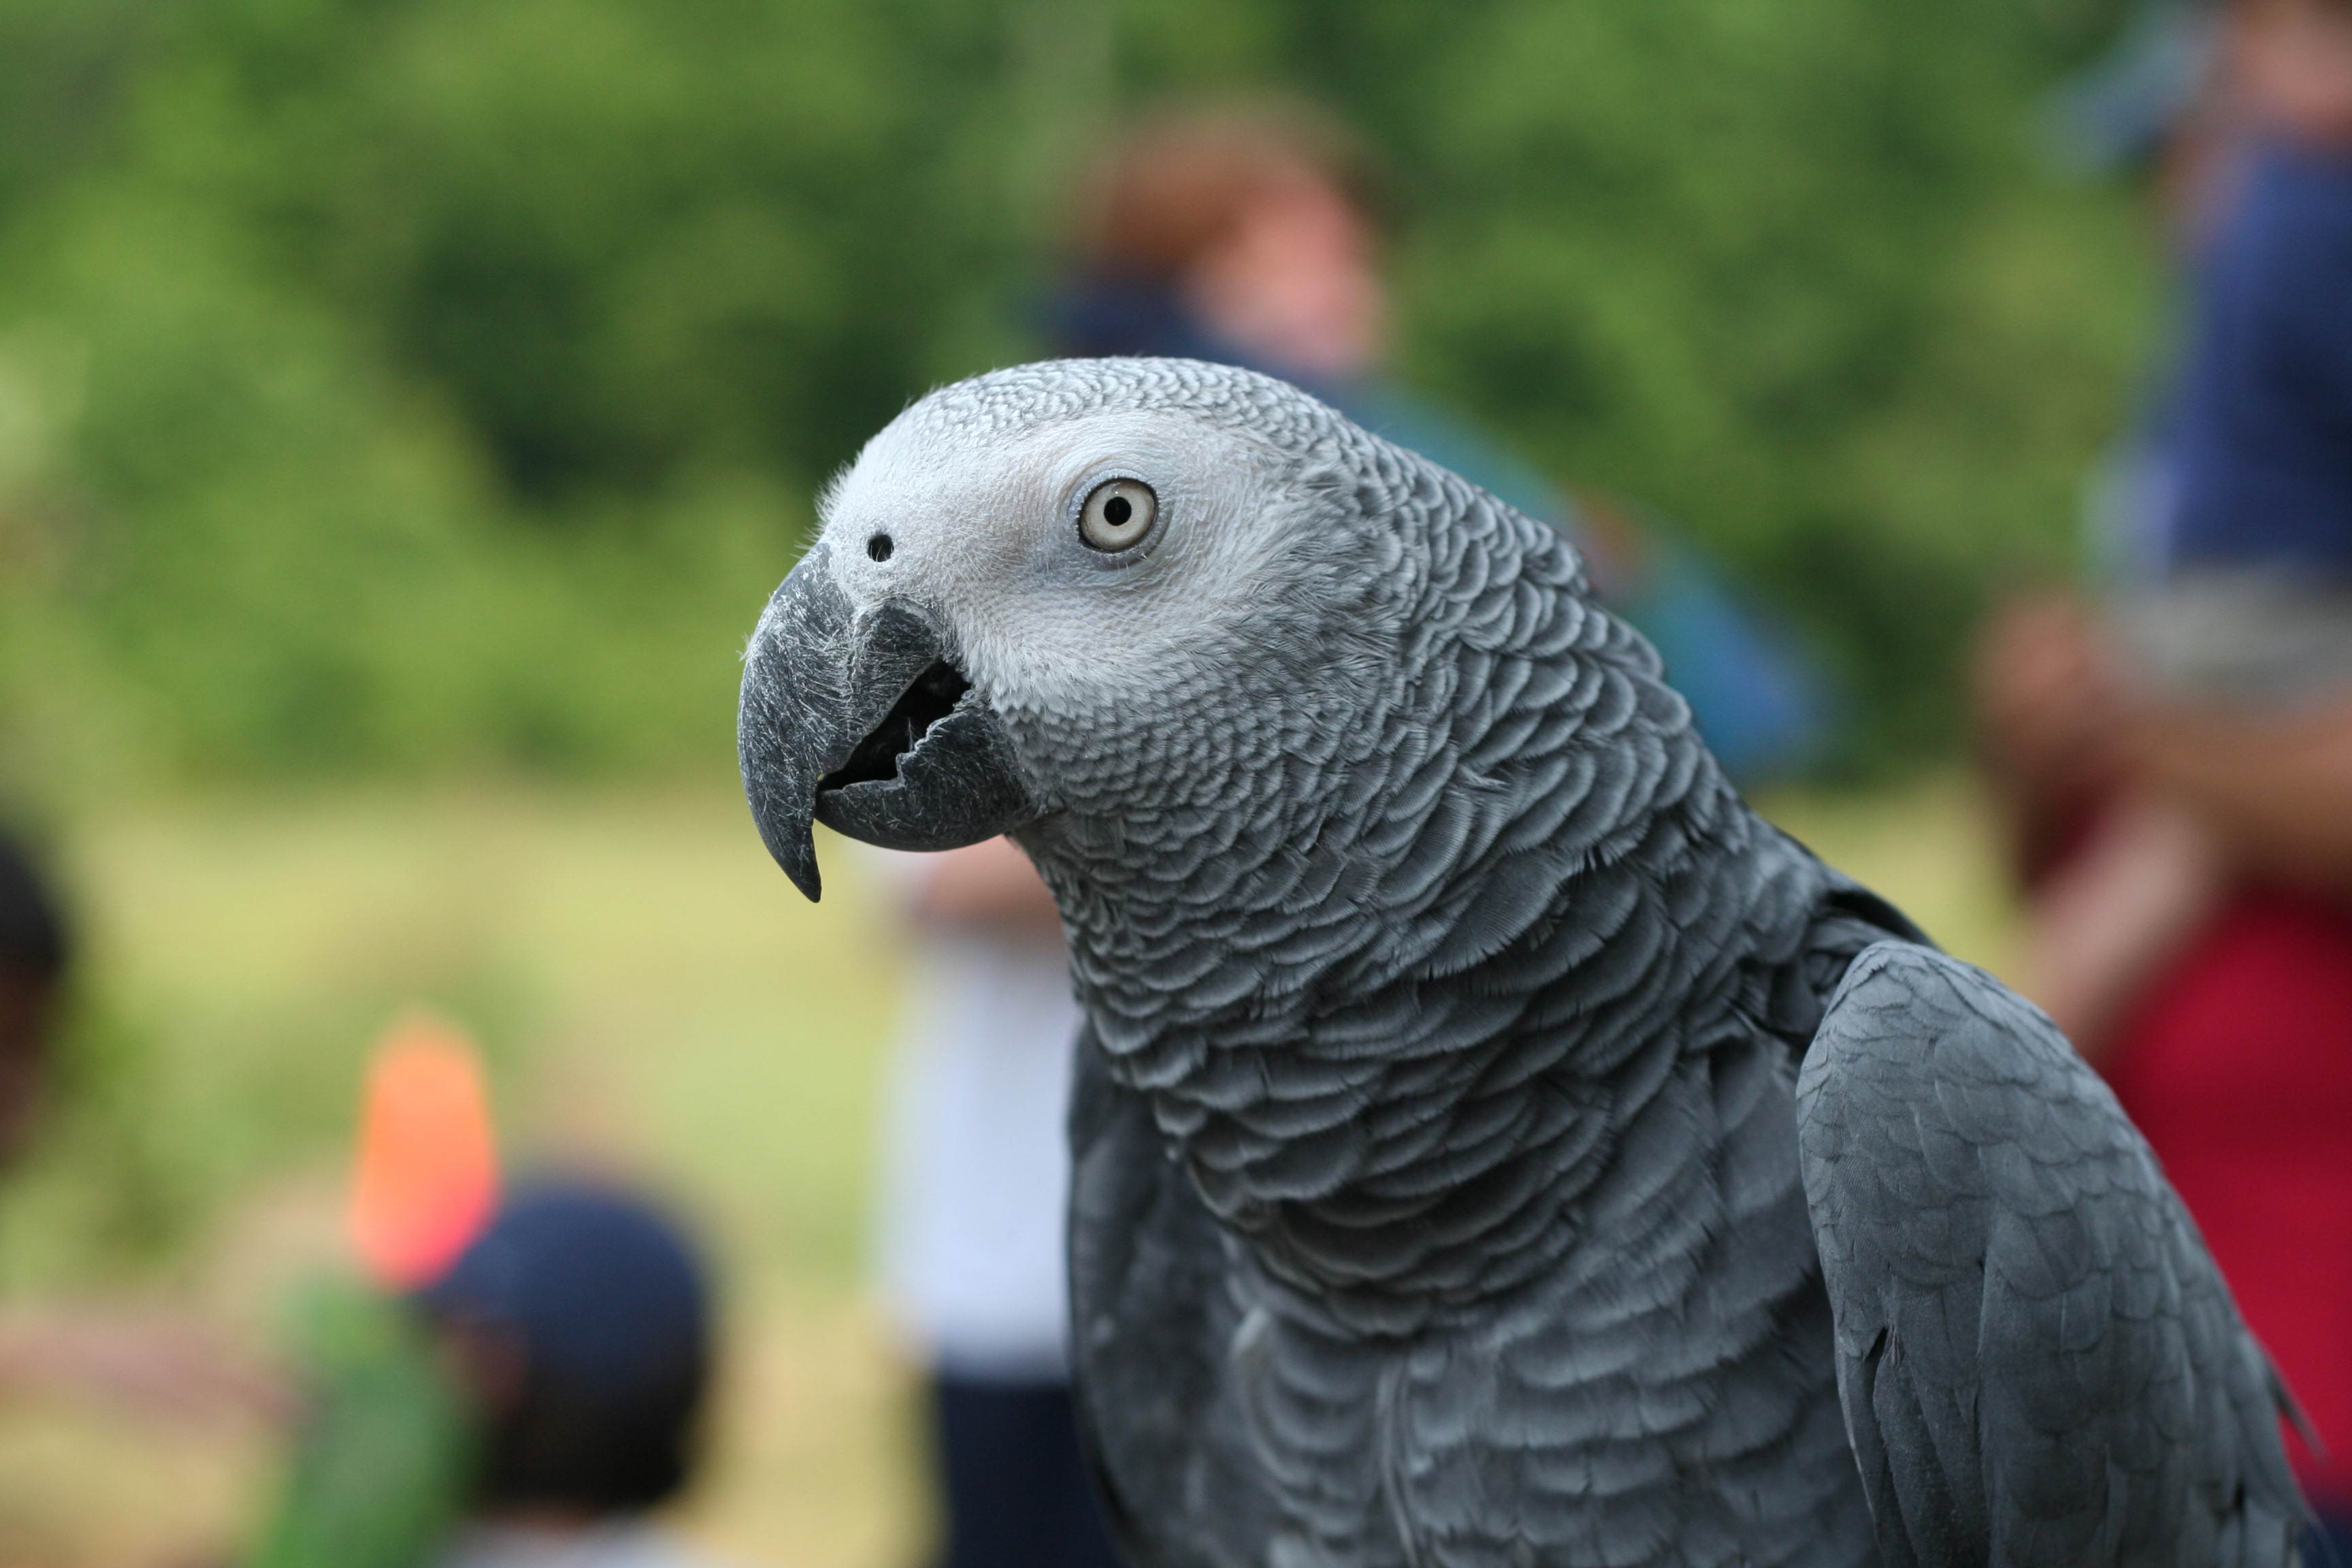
{"x":2177,"y":759}
{"x":531,"y":1407}
{"x":974,"y":1194}
{"x":1252,"y":235}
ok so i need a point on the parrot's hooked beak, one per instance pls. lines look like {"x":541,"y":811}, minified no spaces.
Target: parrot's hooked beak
{"x":858,"y":722}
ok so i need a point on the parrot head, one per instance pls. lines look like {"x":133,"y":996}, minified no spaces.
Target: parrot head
{"x":1081,"y":586}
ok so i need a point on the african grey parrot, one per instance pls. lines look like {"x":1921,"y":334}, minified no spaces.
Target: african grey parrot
{"x":1493,"y":1143}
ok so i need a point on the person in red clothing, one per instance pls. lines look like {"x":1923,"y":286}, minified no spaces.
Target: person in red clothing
{"x":2191,"y":930}
{"x":2178,"y":763}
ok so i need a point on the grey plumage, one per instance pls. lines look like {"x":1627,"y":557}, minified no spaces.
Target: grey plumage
{"x":1494,"y":1145}
{"x":2044,"y":1288}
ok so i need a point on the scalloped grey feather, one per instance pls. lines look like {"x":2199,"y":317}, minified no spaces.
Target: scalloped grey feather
{"x":1493,"y":1143}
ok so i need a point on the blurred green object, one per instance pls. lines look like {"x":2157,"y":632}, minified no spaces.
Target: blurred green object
{"x":381,"y":1466}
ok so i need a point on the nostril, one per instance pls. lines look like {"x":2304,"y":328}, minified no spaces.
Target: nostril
{"x":880,"y":547}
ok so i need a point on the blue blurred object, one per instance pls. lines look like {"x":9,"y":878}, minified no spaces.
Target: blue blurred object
{"x":2262,"y":433}
{"x":601,"y":1288}
{"x":2245,"y":461}
{"x":1762,"y":707}
{"x":2328,"y":1543}
{"x":2117,"y":111}
{"x":1760,"y":704}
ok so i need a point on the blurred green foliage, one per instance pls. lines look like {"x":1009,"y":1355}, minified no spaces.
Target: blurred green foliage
{"x":426,"y":385}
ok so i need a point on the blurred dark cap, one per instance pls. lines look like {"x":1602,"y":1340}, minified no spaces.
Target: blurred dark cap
{"x":33,"y":938}
{"x":602,"y":1290}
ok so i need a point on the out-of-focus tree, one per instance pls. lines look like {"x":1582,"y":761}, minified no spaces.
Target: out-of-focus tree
{"x":415,"y":382}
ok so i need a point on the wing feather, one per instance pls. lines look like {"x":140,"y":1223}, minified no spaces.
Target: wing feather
{"x":2038,"y":1361}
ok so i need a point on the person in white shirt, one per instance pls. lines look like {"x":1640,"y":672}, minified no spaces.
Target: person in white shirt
{"x":975,"y":1186}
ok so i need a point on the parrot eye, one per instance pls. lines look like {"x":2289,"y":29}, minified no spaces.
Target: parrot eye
{"x":1118,"y":515}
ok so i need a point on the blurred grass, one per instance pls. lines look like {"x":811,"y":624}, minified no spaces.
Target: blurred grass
{"x":652,"y":996}
{"x":1933,"y":847}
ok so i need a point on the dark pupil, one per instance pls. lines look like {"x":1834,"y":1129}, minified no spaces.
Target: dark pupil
{"x":1117,"y":509}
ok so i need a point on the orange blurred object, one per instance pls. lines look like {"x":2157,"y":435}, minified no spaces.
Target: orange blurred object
{"x":428,"y":1171}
